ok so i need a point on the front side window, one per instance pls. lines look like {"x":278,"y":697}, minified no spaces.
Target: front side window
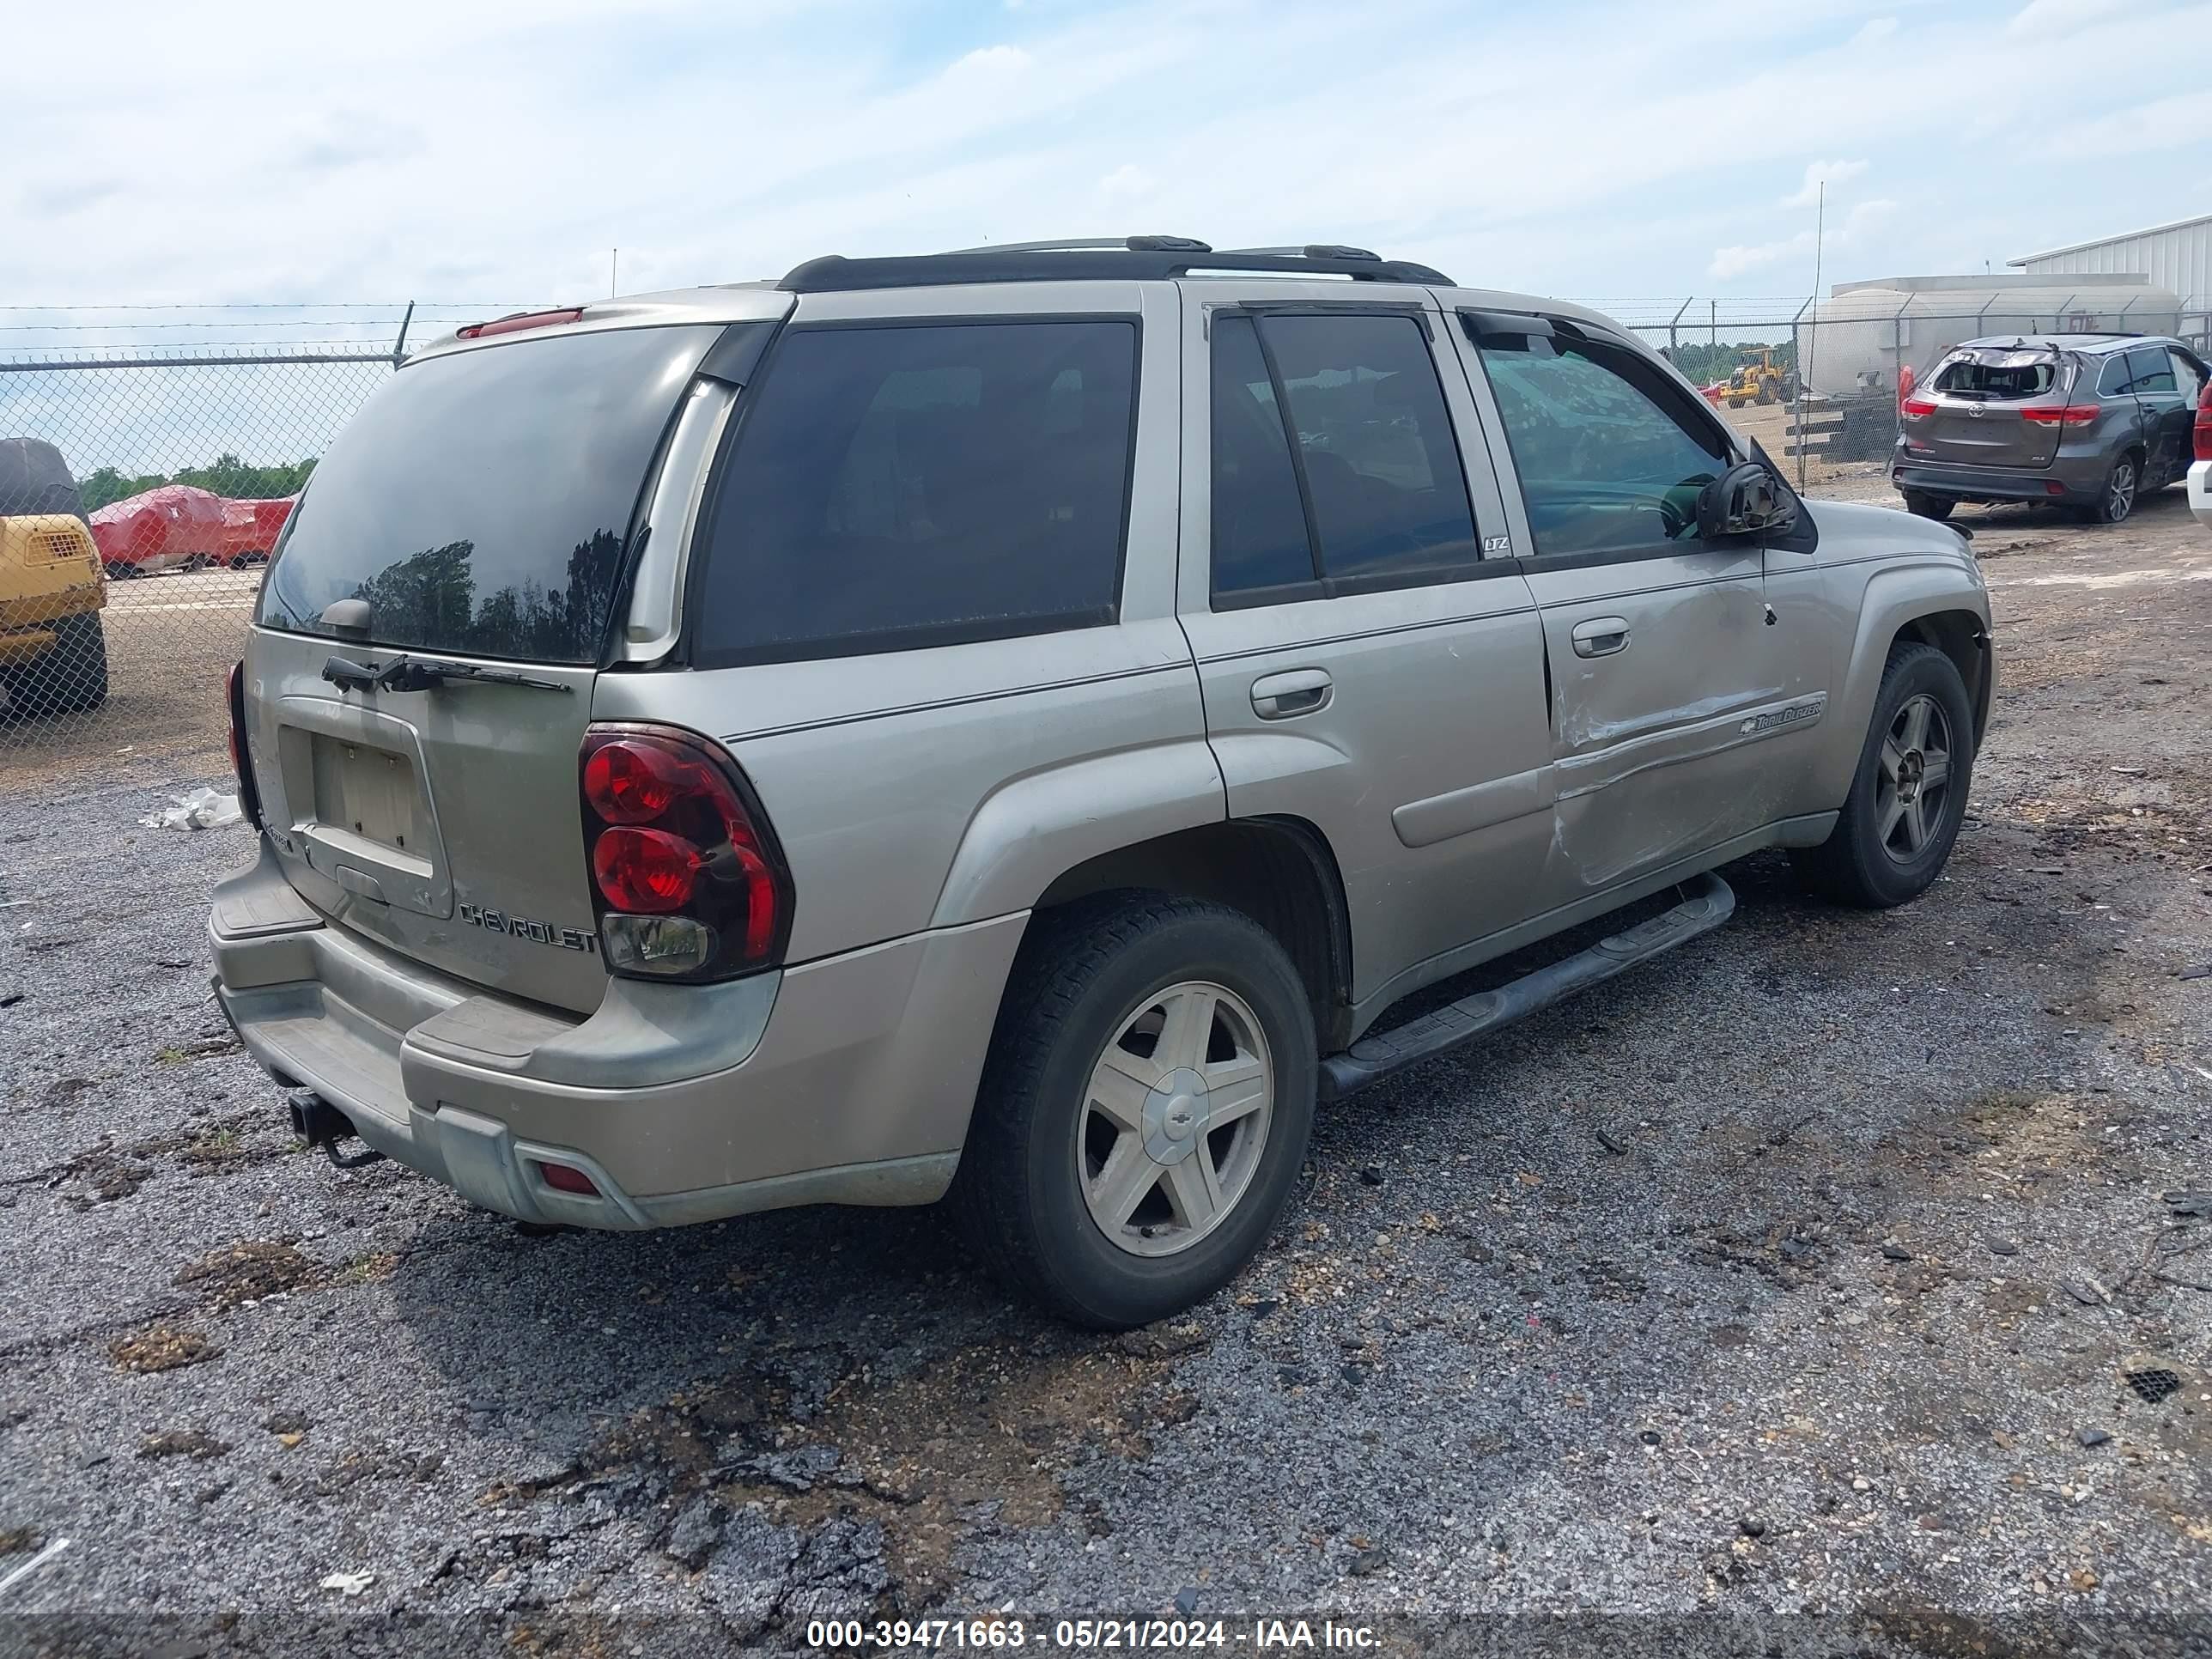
{"x":1335,"y":466}
{"x":2154,"y":372}
{"x":904,"y":486}
{"x":1606,"y":464}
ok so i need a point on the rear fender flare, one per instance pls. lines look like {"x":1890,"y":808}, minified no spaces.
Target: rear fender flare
{"x":1030,"y":829}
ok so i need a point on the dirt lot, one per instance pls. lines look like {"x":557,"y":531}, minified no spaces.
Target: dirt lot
{"x":1803,"y":1274}
{"x":170,"y":640}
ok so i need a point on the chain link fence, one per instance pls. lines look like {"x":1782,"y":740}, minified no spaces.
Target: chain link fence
{"x":149,"y":458}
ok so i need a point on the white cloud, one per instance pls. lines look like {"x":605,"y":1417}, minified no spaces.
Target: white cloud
{"x":1874,"y":29}
{"x":511,"y":142}
{"x":2162,"y":124}
{"x":1730,"y":263}
{"x":2061,"y":16}
{"x":1831,"y":173}
{"x":1127,"y":182}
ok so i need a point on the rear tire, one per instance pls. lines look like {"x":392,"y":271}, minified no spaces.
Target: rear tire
{"x":1909,"y":795}
{"x":2116,"y":499}
{"x":1937,"y":507}
{"x":1062,"y":1143}
{"x":71,"y":678}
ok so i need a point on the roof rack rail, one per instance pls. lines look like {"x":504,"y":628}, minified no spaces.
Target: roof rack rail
{"x":1064,"y":243}
{"x":1313,"y":251}
{"x":1097,"y":258}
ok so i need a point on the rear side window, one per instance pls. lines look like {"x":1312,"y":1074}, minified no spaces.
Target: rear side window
{"x":481,"y":500}
{"x":1998,"y":375}
{"x":1335,"y":461}
{"x":2153,"y":371}
{"x":2117,"y":378}
{"x":898,"y":487}
{"x":1607,"y":463}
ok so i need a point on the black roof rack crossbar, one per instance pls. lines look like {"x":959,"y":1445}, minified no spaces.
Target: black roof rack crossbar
{"x":1137,"y":259}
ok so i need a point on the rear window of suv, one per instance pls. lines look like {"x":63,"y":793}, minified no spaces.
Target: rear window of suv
{"x":899,"y":486}
{"x":481,"y":501}
{"x":1998,"y":375}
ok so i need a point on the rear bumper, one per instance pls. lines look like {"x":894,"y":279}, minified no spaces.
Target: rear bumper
{"x":2200,"y":492}
{"x":848,"y":1080}
{"x":1969,"y":483}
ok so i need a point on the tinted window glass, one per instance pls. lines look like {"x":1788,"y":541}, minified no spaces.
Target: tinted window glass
{"x":905,"y":486}
{"x":2116,"y":378}
{"x":1381,"y":463}
{"x":2154,"y":372}
{"x":1606,"y":464}
{"x":1258,"y":524}
{"x":480,"y":502}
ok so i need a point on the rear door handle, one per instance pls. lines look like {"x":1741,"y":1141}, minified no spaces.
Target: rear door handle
{"x":1283,"y":696}
{"x":1601,"y":637}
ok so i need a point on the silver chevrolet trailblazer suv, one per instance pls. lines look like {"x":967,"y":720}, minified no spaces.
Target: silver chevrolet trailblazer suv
{"x":1013,"y":724}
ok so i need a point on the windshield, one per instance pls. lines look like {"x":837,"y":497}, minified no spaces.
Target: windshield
{"x":480,"y":502}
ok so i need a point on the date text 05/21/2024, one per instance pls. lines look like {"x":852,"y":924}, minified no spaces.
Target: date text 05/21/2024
{"x":1091,"y":1634}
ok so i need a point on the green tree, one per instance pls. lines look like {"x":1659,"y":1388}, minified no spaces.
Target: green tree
{"x":226,"y":475}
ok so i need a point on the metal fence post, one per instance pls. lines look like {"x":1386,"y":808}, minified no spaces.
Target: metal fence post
{"x":1672,"y":343}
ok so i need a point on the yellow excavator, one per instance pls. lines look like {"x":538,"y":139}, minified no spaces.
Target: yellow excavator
{"x":53,"y":652}
{"x":1760,"y":379}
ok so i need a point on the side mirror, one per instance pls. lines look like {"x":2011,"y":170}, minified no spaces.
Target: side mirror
{"x":1745,"y":500}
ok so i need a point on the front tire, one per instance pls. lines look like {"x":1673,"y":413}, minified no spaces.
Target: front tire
{"x":1144,"y":1110}
{"x":1921,"y":506}
{"x":1909,"y":795}
{"x":71,"y":678}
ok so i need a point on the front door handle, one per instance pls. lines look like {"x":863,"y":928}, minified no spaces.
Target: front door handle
{"x":1601,"y":637}
{"x":1283,"y":696}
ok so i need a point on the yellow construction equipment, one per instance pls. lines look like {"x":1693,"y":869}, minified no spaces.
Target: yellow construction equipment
{"x":1760,"y":379}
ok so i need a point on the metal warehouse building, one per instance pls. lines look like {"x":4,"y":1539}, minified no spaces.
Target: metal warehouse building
{"x":2176,"y":257}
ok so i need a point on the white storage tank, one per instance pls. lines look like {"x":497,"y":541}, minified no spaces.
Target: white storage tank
{"x":1852,"y":342}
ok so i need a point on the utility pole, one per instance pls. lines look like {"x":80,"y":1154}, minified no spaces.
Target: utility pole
{"x":614,"y":265}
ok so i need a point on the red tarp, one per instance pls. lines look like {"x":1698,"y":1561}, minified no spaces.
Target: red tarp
{"x":161,"y":528}
{"x":252,"y":526}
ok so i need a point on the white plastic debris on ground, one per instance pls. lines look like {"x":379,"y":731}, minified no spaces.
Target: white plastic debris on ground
{"x":203,"y":809}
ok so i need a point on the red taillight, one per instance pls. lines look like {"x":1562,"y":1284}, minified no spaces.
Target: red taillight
{"x":1916,"y":409}
{"x":629,"y":782}
{"x":687,"y":880}
{"x":241,"y":758}
{"x":519,"y":320}
{"x":646,"y":869}
{"x":2062,"y":415}
{"x":2204,"y":423}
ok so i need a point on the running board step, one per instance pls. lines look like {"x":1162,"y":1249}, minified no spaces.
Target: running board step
{"x":1707,"y":903}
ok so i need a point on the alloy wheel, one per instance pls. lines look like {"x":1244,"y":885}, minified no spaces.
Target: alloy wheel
{"x":1175,"y":1118}
{"x":1914,"y":787}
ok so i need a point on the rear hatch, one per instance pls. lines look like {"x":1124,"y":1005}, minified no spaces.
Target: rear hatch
{"x":1991,"y":406}
{"x":474,"y":522}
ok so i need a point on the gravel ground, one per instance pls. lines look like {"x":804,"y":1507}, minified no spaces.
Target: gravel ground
{"x":1804,"y":1273}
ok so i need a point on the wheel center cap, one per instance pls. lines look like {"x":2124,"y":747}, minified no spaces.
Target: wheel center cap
{"x":1176,"y":1113}
{"x":1909,"y":773}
